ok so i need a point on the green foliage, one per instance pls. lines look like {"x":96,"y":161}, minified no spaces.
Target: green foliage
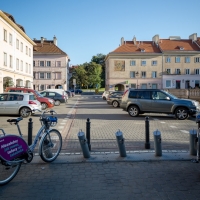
{"x":7,"y":83}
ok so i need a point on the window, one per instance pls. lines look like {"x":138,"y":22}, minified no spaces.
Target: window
{"x":168,"y":71}
{"x":187,"y":71}
{"x":21,"y":47}
{"x":154,"y":62}
{"x":26,"y":67}
{"x":143,"y":74}
{"x":41,"y":75}
{"x":177,"y":71}
{"x":5,"y":59}
{"x":132,"y":63}
{"x":58,"y":75}
{"x":168,"y":59}
{"x":17,"y":64}
{"x":52,"y":94}
{"x":154,"y":74}
{"x":33,"y":63}
{"x":17,"y":43}
{"x":34,"y":75}
{"x":133,"y":85}
{"x":187,"y":59}
{"x":132,"y":74}
{"x":41,"y":87}
{"x":29,"y":52}
{"x":196,"y":71}
{"x":58,"y":64}
{"x":11,"y":61}
{"x":26,"y":50}
{"x":29,"y":69}
{"x":197,"y":59}
{"x":41,"y":63}
{"x":196,"y":83}
{"x":143,"y":63}
{"x":21,"y":65}
{"x":177,"y":59}
{"x":48,"y":63}
{"x":10,"y":39}
{"x":48,"y":75}
{"x":168,"y":83}
{"x":5,"y":35}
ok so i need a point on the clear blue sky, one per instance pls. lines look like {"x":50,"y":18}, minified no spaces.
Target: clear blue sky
{"x":85,"y":28}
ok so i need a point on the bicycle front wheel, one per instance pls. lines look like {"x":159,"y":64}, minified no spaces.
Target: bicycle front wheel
{"x":8,"y":171}
{"x":50,"y":145}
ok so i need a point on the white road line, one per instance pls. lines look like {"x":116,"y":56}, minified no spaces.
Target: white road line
{"x":155,"y":119}
{"x":184,"y":131}
{"x":173,"y":126}
{"x":163,"y":122}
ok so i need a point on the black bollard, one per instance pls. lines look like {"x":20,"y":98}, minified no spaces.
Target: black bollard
{"x":30,"y":131}
{"x":88,"y":133}
{"x":147,"y":144}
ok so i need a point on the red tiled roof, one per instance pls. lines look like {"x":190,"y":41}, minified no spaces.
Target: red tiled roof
{"x":47,"y":47}
{"x":198,"y":41}
{"x":175,"y":45}
{"x":129,"y":47}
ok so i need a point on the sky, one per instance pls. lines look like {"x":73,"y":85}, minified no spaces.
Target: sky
{"x":85,"y":28}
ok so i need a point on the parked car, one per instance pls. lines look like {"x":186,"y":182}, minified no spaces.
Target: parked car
{"x":45,"y":102}
{"x":106,"y":93}
{"x":58,"y":98}
{"x":139,"y":101}
{"x":16,"y":103}
{"x":115,"y":99}
{"x":60,"y":91}
{"x":77,"y":91}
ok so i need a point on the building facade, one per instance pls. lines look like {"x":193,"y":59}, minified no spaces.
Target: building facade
{"x":160,"y":63}
{"x":16,"y":54}
{"x":50,"y":65}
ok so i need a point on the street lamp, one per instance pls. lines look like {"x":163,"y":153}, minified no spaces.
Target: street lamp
{"x":136,"y":74}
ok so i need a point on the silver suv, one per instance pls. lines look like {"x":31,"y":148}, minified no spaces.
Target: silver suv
{"x":139,"y":101}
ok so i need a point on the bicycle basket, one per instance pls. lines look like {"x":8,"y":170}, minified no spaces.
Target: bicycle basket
{"x":52,"y":121}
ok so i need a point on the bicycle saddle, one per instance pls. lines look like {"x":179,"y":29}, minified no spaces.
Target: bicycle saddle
{"x":15,"y":120}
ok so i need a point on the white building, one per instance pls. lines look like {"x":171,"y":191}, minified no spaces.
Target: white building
{"x":16,"y":54}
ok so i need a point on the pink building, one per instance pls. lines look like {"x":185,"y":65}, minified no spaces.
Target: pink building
{"x":50,"y":65}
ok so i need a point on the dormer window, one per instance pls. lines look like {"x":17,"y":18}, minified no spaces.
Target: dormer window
{"x":142,"y":50}
{"x":181,"y":47}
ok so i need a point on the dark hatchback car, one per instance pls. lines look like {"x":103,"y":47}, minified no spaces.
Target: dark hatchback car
{"x":58,"y":98}
{"x":77,"y":91}
{"x":114,"y":99}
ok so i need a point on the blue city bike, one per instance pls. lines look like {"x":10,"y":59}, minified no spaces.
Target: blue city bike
{"x":14,"y":150}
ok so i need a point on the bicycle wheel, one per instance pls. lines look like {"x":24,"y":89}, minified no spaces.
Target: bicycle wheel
{"x":8,"y":171}
{"x":50,"y":145}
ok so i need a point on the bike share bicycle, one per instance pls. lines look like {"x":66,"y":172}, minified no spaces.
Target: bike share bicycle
{"x":14,"y":150}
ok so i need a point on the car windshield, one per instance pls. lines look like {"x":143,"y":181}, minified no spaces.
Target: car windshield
{"x":38,"y":94}
{"x":171,"y":95}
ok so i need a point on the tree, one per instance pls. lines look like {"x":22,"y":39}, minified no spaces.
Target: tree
{"x":100,"y":59}
{"x":7,"y":83}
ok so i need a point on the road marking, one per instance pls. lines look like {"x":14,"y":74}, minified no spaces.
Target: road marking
{"x":173,"y":126}
{"x":163,"y":122}
{"x":184,"y":131}
{"x":155,"y":119}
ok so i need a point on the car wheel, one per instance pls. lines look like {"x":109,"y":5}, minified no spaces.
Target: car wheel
{"x":23,"y":112}
{"x":133,"y":111}
{"x":44,"y":106}
{"x":57,"y":102}
{"x":115,"y":104}
{"x":181,"y":113}
{"x":104,"y":98}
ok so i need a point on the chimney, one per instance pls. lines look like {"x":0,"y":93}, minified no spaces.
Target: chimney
{"x":122,"y":41}
{"x":155,"y":39}
{"x":42,"y":40}
{"x":193,"y":37}
{"x":55,"y":40}
{"x":134,"y":40}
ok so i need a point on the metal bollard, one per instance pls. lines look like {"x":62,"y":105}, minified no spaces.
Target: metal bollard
{"x":83,"y":143}
{"x":30,"y":131}
{"x":193,"y":142}
{"x":157,"y":143}
{"x":120,"y":142}
{"x":88,"y":133}
{"x":147,"y":144}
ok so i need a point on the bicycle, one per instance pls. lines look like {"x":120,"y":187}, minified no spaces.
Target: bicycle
{"x":14,"y":150}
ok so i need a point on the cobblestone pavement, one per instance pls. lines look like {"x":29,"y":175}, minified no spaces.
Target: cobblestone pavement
{"x":176,"y":180}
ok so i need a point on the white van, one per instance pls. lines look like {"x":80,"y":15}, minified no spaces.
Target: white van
{"x":59,"y":91}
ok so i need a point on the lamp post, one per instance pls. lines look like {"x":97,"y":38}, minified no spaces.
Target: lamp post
{"x":136,"y":74}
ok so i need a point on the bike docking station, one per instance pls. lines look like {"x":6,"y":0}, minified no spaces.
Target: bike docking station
{"x":195,"y":140}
